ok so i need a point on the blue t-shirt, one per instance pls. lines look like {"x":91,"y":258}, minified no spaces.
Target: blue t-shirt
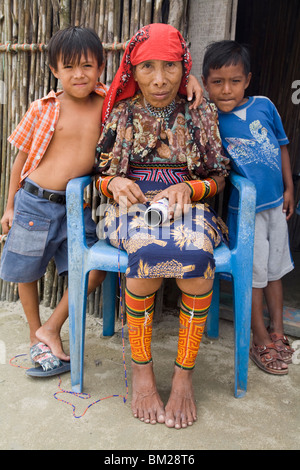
{"x":252,"y":135}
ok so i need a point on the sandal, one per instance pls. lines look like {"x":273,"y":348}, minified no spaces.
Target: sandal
{"x":261,"y":356}
{"x":46,"y":363}
{"x":282,"y":348}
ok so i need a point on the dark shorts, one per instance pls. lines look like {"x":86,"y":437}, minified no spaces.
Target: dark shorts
{"x":38,"y":234}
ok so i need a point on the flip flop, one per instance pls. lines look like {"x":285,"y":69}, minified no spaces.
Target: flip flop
{"x":40,"y":372}
{"x":47,"y":364}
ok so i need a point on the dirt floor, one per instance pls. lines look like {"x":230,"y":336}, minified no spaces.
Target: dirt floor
{"x":35,"y":415}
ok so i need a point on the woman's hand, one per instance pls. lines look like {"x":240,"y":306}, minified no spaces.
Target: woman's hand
{"x":126,"y":192}
{"x":179,"y":196}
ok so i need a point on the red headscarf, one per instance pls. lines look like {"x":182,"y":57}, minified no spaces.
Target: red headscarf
{"x":157,"y":41}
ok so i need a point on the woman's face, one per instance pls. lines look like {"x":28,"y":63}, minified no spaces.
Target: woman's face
{"x":159,"y":81}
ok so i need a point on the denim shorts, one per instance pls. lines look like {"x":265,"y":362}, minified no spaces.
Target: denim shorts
{"x":38,"y":234}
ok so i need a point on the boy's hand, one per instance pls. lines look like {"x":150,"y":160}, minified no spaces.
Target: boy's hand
{"x":194,"y":88}
{"x":6,"y":220}
{"x":288,"y":195}
{"x":288,"y":204}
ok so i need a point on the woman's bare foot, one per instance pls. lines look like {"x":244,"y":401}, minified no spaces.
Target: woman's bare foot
{"x":146,"y":404}
{"x":52,"y":339}
{"x":181,"y":408}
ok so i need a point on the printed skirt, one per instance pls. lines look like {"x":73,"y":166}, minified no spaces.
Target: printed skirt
{"x":179,"y":248}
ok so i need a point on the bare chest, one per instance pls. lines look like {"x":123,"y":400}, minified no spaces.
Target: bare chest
{"x":74,"y":127}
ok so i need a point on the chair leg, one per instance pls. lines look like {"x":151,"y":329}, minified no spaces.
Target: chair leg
{"x":77,"y":312}
{"x":212,"y":323}
{"x":109,"y":293}
{"x":242,"y":298}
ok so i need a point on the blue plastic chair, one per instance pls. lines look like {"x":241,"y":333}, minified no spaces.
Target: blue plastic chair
{"x":235,"y":261}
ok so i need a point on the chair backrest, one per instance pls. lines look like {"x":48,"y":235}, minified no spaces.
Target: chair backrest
{"x":241,"y":212}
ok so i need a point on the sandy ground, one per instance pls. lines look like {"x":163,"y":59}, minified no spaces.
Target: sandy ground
{"x":268,"y":417}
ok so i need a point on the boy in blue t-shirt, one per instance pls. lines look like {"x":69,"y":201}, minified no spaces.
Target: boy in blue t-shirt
{"x":254,"y":139}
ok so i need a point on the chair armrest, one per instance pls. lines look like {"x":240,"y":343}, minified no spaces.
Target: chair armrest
{"x":75,"y":217}
{"x":246,"y":209}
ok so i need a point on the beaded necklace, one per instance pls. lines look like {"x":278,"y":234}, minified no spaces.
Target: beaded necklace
{"x":164,"y":112}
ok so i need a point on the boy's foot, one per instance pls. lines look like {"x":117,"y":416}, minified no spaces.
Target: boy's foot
{"x":52,"y":339}
{"x":267,"y":358}
{"x":283,"y":347}
{"x":181,"y":408}
{"x":146,"y":404}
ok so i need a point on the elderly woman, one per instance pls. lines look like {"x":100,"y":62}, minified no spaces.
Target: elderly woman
{"x":152,"y":147}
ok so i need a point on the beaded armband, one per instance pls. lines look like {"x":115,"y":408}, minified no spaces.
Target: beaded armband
{"x":102,"y":186}
{"x":202,"y":189}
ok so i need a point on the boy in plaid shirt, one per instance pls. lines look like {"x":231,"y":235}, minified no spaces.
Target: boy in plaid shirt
{"x":56,"y":140}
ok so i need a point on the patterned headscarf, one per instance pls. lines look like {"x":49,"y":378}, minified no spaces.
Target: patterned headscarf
{"x":157,"y":41}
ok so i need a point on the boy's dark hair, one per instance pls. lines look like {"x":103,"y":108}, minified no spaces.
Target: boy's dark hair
{"x":225,"y":53}
{"x":70,"y":43}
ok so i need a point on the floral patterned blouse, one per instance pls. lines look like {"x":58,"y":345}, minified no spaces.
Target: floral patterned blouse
{"x":133,"y":135}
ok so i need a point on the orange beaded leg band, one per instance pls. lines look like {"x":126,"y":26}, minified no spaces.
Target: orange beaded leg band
{"x":102,"y":186}
{"x":139,"y":313}
{"x":192,"y":318}
{"x":201,"y":189}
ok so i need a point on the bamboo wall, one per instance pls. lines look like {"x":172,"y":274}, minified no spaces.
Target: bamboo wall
{"x":25,"y":29}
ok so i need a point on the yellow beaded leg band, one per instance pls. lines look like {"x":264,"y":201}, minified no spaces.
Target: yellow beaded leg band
{"x":139,"y":313}
{"x":192,"y":318}
{"x":202,"y":189}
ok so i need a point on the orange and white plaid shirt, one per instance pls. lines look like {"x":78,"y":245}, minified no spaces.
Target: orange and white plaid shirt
{"x":34,"y":132}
